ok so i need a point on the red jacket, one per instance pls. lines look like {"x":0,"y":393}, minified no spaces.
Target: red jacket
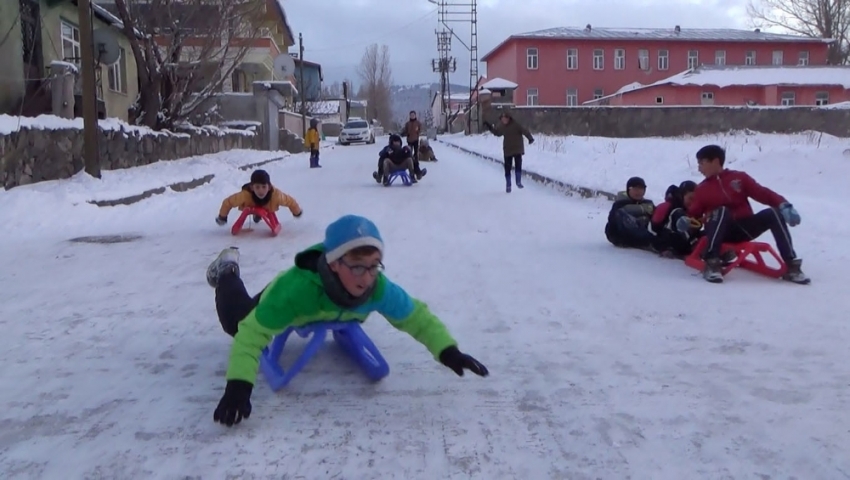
{"x":731,"y":189}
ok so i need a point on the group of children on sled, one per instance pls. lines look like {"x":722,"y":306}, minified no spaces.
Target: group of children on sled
{"x":397,"y":157}
{"x":718,"y":209}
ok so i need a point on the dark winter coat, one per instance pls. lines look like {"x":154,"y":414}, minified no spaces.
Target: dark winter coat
{"x":512,"y":133}
{"x":397,"y":155}
{"x":640,"y":210}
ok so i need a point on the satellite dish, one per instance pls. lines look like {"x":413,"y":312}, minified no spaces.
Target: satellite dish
{"x":106,"y":49}
{"x":284,"y":65}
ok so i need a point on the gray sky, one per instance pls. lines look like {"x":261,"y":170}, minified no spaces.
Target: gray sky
{"x":336,"y":32}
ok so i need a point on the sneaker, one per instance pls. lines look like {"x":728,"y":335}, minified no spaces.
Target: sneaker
{"x":227,"y":261}
{"x":376,"y":177}
{"x":728,"y":257}
{"x":422,"y":173}
{"x":712,"y":271}
{"x":795,"y":274}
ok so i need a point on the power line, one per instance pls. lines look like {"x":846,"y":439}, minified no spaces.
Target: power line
{"x":369,"y":42}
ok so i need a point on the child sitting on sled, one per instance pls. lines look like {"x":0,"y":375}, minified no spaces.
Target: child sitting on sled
{"x":259,"y":192}
{"x":426,"y":152}
{"x":339,"y":279}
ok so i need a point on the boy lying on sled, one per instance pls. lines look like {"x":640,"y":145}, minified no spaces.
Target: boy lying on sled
{"x":339,"y":279}
{"x":259,"y":192}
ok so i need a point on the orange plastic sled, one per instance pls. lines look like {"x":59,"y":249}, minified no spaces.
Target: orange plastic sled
{"x":269,"y":217}
{"x":750,"y":257}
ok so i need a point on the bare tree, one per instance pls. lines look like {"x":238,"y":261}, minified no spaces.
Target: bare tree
{"x":376,"y":76}
{"x":813,"y":18}
{"x":185,"y":51}
{"x":333,"y":90}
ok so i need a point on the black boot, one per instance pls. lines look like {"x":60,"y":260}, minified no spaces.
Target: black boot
{"x":508,"y":183}
{"x":519,"y":178}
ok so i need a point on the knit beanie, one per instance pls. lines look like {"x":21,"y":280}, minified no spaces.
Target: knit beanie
{"x":350,"y":232}
{"x":261,"y":177}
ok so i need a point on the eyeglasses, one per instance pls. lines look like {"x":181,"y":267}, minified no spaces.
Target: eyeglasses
{"x":360,"y":270}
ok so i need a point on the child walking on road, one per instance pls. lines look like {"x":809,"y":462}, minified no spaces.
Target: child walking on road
{"x":513,"y":146}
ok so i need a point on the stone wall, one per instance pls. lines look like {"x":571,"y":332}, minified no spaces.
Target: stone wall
{"x":32,"y":154}
{"x":632,"y":122}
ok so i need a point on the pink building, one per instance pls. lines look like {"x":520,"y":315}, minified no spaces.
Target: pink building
{"x":569,"y":66}
{"x":747,"y":85}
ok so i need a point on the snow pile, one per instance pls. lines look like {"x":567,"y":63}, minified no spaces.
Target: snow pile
{"x":10,"y":124}
{"x":760,"y":76}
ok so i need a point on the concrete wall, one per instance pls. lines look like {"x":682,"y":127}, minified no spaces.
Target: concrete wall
{"x":32,"y":155}
{"x":633,"y":122}
{"x":12,"y":87}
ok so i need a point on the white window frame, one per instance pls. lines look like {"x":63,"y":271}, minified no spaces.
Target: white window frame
{"x":663,"y":60}
{"x":821,"y":98}
{"x":659,"y":100}
{"x":572,"y":59}
{"x":643,"y":59}
{"x":70,"y":42}
{"x":598,"y":93}
{"x":777,"y":58}
{"x":117,"y":72}
{"x":803,"y":58}
{"x":750,"y":57}
{"x":532,"y":58}
{"x":720,"y":57}
{"x":620,"y":59}
{"x":572,"y":97}
{"x":707,"y":98}
{"x":788,"y":99}
{"x":693,"y":59}
{"x":598,"y":59}
{"x":532,"y":97}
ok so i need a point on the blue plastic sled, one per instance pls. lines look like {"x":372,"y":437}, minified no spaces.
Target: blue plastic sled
{"x":350,"y":337}
{"x":405,"y":177}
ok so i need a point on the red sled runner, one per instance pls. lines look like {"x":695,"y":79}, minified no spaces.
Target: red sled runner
{"x":269,"y":217}
{"x":750,"y":257}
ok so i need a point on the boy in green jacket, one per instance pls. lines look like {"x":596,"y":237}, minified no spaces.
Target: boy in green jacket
{"x":339,"y":279}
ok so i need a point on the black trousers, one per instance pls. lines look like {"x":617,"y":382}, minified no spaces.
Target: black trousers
{"x":232,"y":302}
{"x":414,"y":147}
{"x":721,"y":227}
{"x":510,"y":161}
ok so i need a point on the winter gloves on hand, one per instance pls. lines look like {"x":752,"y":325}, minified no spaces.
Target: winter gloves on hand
{"x":685,"y":224}
{"x":235,"y":404}
{"x":789,"y":213}
{"x":458,"y":361}
{"x":221,"y":220}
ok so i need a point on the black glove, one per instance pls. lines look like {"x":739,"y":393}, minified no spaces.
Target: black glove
{"x":299,"y":214}
{"x":488,"y":126}
{"x":235,"y":404}
{"x":458,"y":361}
{"x":530,"y":140}
{"x":220,"y":220}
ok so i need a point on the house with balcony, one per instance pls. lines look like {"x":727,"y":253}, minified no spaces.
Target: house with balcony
{"x":572,"y":65}
{"x":740,"y":85}
{"x":274,"y":36}
{"x":41,"y":32}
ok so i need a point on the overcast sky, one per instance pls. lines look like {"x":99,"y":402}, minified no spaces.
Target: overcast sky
{"x":336,"y":32}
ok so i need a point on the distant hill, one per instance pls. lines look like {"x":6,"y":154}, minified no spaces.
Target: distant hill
{"x":417,"y":97}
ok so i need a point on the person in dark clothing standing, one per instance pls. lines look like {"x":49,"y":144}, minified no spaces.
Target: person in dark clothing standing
{"x":513,"y":146}
{"x":412,"y":130}
{"x":723,"y":199}
{"x":629,"y":218}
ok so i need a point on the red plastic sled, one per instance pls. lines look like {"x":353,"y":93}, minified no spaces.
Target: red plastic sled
{"x":269,"y":217}
{"x":750,"y":257}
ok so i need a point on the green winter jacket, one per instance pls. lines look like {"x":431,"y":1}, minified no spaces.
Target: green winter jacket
{"x":296,"y":297}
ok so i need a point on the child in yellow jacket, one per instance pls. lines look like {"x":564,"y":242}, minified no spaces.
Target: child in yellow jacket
{"x":311,"y":142}
{"x":258,"y":193}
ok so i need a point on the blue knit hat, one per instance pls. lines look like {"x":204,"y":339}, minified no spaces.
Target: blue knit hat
{"x":350,"y":232}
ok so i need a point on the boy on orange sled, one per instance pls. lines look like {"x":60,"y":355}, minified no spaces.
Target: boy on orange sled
{"x":259,"y":193}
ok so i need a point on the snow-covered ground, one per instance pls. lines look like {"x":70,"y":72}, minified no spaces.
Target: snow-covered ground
{"x":605,"y":363}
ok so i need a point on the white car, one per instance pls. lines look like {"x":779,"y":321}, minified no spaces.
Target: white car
{"x":356,"y":131}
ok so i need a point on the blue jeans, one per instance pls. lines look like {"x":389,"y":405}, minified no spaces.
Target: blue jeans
{"x":630,"y":231}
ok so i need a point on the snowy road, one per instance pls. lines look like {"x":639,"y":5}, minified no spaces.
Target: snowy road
{"x":605,"y":364}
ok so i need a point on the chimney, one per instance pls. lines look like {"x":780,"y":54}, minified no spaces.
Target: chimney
{"x":587,"y":28}
{"x":678,"y":29}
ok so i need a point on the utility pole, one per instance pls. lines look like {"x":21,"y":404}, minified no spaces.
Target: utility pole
{"x":301,"y":87}
{"x":465,"y":12}
{"x":443,"y":65}
{"x":89,"y":97}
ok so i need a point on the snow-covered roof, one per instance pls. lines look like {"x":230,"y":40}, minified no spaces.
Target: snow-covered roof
{"x":499,"y":84}
{"x":324,"y":107}
{"x":744,"y":76}
{"x":484,"y":91}
{"x":761,"y":76}
{"x":673,"y":33}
